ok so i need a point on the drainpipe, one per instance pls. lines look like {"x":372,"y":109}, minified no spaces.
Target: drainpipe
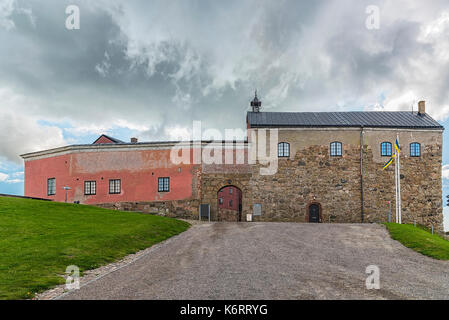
{"x":361,"y":175}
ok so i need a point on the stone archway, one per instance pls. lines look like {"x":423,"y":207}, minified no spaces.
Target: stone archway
{"x":229,"y":204}
{"x":211,"y":184}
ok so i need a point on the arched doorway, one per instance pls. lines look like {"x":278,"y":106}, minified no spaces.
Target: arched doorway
{"x":229,"y":200}
{"x":314,"y":213}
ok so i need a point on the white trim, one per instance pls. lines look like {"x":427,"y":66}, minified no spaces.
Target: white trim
{"x":130,"y":147}
{"x":351,"y":129}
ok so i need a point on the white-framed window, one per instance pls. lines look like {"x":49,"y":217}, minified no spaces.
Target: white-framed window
{"x":90,"y":188}
{"x":415,"y":149}
{"x":385,"y":149}
{"x":283,"y":149}
{"x":336,"y":149}
{"x":163,"y":184}
{"x":115,"y":186}
{"x":51,"y":186}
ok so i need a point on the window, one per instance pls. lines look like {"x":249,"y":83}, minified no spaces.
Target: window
{"x":115,"y":186}
{"x":90,"y":188}
{"x":415,"y":149}
{"x":230,"y":190}
{"x":230,"y":203}
{"x":220,"y":200}
{"x":163,"y":185}
{"x":51,"y":187}
{"x":283,"y":150}
{"x":385,"y":149}
{"x":336,"y":149}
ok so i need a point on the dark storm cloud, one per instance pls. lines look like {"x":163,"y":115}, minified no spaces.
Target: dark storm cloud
{"x":154,"y":66}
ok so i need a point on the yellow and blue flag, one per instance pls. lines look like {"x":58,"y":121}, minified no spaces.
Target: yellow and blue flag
{"x":388,"y":163}
{"x":396,"y":145}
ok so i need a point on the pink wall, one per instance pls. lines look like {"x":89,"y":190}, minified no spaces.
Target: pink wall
{"x":103,"y":140}
{"x":138,"y":170}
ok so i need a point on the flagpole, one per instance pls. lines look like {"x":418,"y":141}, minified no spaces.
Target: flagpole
{"x":396,"y":183}
{"x":399,"y":185}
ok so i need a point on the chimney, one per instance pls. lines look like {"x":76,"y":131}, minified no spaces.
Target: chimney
{"x":134,"y":140}
{"x":421,"y":107}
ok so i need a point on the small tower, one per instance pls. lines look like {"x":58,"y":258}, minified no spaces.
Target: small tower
{"x":256,"y":103}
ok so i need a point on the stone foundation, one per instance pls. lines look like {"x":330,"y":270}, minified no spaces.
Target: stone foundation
{"x":226,"y":215}
{"x":185,"y":209}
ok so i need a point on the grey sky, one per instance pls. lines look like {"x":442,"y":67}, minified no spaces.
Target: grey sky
{"x":154,"y":66}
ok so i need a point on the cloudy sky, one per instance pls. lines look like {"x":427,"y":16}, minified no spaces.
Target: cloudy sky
{"x":149,"y":68}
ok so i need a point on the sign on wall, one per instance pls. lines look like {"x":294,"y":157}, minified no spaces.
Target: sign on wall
{"x":257,"y":209}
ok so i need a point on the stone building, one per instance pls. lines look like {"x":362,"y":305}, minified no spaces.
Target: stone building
{"x":328,"y":168}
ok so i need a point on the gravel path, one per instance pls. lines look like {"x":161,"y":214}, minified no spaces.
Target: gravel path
{"x":273,"y":261}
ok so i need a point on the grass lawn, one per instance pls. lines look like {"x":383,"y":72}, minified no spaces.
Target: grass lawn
{"x":39,"y":239}
{"x":420,"y":240}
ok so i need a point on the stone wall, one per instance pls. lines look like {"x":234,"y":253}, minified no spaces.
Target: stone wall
{"x":310,"y":174}
{"x":186,"y":209}
{"x":211,"y":183}
{"x":227,"y":215}
{"x":421,"y":189}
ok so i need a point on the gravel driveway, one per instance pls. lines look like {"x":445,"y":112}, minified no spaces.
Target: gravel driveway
{"x":274,"y":261}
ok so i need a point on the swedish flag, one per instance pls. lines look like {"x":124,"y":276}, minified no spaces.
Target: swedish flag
{"x":396,"y":145}
{"x":389,"y":162}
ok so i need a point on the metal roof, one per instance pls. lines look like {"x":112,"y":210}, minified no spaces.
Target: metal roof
{"x":369,"y":119}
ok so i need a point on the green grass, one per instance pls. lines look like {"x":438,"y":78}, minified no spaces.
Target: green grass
{"x":39,"y":239}
{"x":420,"y":240}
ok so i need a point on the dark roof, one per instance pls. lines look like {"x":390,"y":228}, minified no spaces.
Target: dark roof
{"x":113,"y":140}
{"x":369,"y":119}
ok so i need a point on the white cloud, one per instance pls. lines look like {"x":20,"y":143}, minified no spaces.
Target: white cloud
{"x":445,"y":171}
{"x":405,"y":101}
{"x":446,"y":218}
{"x":300,"y":55}
{"x":17,"y":174}
{"x":3,"y":177}
{"x":149,"y":62}
{"x":20,"y":130}
{"x":6,"y":9}
{"x":86,"y":129}
{"x":103,"y":67}
{"x":178,"y":133}
{"x":82,"y":128}
{"x":14,"y":181}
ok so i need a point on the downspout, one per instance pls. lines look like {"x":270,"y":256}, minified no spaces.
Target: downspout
{"x":361,"y":175}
